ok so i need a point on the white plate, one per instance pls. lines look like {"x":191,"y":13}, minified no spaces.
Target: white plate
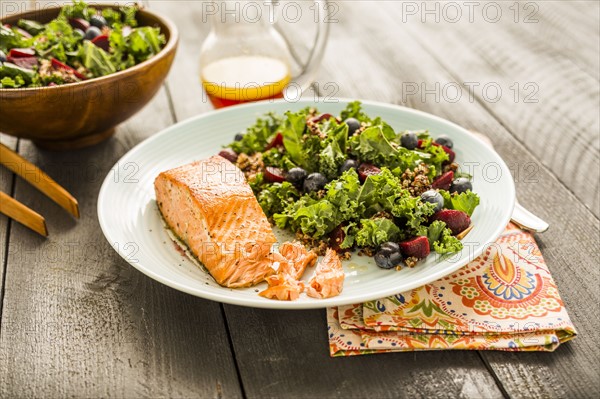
{"x":131,"y":223}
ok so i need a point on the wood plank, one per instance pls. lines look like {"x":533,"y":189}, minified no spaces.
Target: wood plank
{"x":390,"y":64}
{"x":272,"y":350}
{"x":268,"y":344}
{"x":567,"y":27}
{"x":78,"y":320}
{"x":291,"y":359}
{"x":6,"y":185}
{"x":570,"y":246}
{"x":281,"y":353}
{"x":188,"y":98}
{"x":554,"y":109}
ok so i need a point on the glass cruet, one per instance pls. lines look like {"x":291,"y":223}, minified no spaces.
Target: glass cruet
{"x":245,"y":57}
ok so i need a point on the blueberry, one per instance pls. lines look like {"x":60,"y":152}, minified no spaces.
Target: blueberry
{"x":98,"y":21}
{"x":239,"y":137}
{"x":2,"y":56}
{"x":386,"y":258}
{"x":390,"y":246}
{"x":445,"y":140}
{"x":314,"y":182}
{"x":92,"y":32}
{"x":433,"y":197}
{"x":79,"y":33}
{"x":461,"y":185}
{"x":396,"y":259}
{"x":296,"y":176}
{"x":409,"y":140}
{"x":348,"y":164}
{"x":353,"y":125}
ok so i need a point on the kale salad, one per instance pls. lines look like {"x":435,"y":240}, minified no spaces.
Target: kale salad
{"x":351,"y":181}
{"x":81,"y":43}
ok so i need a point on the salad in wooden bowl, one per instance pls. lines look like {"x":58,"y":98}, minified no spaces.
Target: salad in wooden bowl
{"x":69,"y":75}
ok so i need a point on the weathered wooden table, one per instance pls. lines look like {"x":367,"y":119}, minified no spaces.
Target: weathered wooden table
{"x":78,"y":321}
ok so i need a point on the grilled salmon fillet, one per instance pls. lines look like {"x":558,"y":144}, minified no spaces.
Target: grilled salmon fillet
{"x":211,"y":208}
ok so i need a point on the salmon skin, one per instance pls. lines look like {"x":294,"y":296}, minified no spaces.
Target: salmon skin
{"x":211,"y":208}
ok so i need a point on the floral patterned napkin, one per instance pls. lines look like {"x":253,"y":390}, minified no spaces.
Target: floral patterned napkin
{"x":505,"y":299}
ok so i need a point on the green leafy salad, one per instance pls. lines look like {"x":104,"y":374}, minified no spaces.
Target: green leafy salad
{"x":81,"y":43}
{"x":352,"y":181}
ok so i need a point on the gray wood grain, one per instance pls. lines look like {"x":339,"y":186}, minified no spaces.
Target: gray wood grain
{"x":548,"y":76}
{"x":6,"y":185}
{"x":570,"y":246}
{"x":269,"y":346}
{"x":188,"y":98}
{"x":381,"y":70}
{"x":291,"y":359}
{"x":79,"y":321}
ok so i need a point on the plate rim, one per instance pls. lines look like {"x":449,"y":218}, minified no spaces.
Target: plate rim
{"x":259,"y":302}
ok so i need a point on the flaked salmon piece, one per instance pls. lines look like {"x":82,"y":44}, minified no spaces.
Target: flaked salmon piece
{"x":293,"y":259}
{"x":280,"y":264}
{"x":211,"y":208}
{"x":298,"y":259}
{"x":328,"y":279}
{"x":282,"y":287}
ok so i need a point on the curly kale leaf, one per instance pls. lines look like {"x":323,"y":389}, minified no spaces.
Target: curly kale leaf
{"x":374,"y":232}
{"x":441,"y":239}
{"x":257,"y":136}
{"x":275,"y":197}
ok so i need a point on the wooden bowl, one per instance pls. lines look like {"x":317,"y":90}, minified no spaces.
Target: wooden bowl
{"x":85,"y":113}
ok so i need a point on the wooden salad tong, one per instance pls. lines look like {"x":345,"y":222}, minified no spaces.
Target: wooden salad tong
{"x":40,"y":180}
